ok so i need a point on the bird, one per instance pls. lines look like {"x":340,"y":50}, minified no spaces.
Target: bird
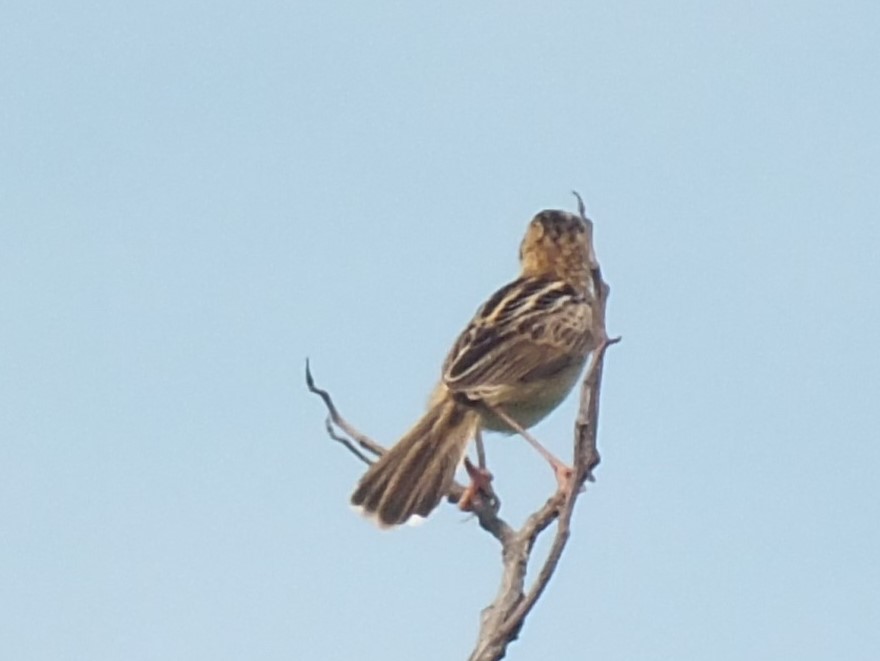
{"x":516,"y":360}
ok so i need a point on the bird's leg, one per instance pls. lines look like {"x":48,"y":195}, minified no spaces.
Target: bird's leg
{"x":481,"y":450}
{"x":480,"y":487}
{"x":562,"y":470}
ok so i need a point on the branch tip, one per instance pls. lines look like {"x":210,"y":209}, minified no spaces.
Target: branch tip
{"x":582,"y":209}
{"x":310,"y":382}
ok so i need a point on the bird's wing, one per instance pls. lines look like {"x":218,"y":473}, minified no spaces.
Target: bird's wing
{"x":528,"y":330}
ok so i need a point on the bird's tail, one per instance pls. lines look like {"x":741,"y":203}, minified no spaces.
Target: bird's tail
{"x":415,"y":474}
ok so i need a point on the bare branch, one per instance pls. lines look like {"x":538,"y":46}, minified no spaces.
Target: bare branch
{"x":538,"y":522}
{"x":336,"y":419}
{"x":331,"y":432}
{"x":487,"y":516}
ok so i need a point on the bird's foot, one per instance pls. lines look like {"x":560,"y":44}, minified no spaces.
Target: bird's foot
{"x":479,"y":492}
{"x":565,"y":477}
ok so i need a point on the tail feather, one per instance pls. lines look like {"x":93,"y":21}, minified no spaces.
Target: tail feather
{"x":415,"y":474}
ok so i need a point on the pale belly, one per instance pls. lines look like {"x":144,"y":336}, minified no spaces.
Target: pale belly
{"x":528,"y":404}
{"x":534,"y":402}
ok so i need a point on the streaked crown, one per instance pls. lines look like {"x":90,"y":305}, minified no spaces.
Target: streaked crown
{"x":556,"y":245}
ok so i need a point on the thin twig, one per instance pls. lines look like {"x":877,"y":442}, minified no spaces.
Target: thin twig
{"x":331,"y":432}
{"x":336,"y":418}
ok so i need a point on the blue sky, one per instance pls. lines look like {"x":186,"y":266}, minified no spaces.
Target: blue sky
{"x":196,"y":196}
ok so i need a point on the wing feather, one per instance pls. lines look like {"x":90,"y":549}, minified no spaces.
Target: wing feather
{"x":528,"y":330}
